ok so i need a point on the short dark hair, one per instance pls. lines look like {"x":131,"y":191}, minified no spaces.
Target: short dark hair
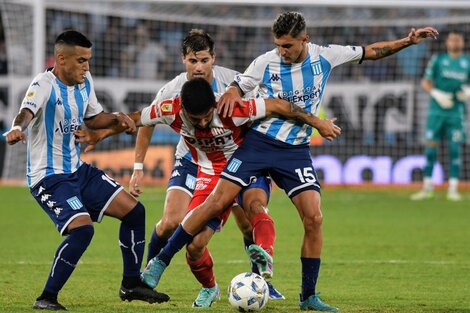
{"x":197,"y":40}
{"x":197,"y":96}
{"x":289,"y":23}
{"x":73,"y":38}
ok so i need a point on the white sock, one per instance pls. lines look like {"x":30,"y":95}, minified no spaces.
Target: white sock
{"x":453,"y":182}
{"x":427,"y":184}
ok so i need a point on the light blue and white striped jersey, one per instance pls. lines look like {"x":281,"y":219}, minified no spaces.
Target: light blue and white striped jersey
{"x":221,"y":78}
{"x":58,"y":111}
{"x":300,"y":83}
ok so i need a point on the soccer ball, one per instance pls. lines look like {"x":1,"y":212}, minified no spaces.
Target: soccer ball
{"x":248,"y":292}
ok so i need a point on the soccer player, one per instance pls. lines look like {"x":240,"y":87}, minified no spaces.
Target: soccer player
{"x":297,"y":71}
{"x":198,"y":56}
{"x":72,"y":193}
{"x":446,"y":80}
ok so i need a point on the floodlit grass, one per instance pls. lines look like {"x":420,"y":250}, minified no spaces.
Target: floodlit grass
{"x":382,"y":253}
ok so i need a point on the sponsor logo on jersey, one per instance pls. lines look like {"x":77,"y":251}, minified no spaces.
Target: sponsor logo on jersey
{"x":30,"y":103}
{"x":316,"y":68}
{"x":190,"y":181}
{"x":204,"y":143}
{"x":274,"y":78}
{"x":68,"y":126}
{"x":234,"y":165}
{"x":74,"y":203}
{"x":302,"y":95}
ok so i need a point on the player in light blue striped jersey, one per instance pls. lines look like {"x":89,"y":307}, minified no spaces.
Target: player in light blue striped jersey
{"x":72,"y":193}
{"x":296,"y":70}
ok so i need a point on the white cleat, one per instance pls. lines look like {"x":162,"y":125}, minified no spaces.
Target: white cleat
{"x":422,"y":195}
{"x":454,"y":196}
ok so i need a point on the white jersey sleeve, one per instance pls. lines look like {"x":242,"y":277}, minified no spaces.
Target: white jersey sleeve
{"x":88,"y":90}
{"x":337,"y":55}
{"x":37,"y":94}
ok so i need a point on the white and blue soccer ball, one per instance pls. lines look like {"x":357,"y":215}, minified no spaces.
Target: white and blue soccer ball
{"x":248,"y":292}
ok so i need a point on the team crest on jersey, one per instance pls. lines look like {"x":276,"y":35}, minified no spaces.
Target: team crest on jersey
{"x":84,"y":94}
{"x":316,"y":67}
{"x":75,"y":203}
{"x":190,"y":181}
{"x":234,"y":165}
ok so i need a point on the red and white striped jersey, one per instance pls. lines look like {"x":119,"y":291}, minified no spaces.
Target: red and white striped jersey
{"x":211,"y":148}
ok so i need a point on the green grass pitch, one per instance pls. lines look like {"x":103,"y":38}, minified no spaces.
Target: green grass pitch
{"x":381,"y":253}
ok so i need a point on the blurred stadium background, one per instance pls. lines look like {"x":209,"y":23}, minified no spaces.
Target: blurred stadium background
{"x":380,"y":105}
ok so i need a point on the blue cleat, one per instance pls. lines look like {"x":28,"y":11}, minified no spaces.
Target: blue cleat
{"x":314,"y":303}
{"x":206,"y":297}
{"x":273,"y":293}
{"x":153,"y":272}
{"x":262,"y":259}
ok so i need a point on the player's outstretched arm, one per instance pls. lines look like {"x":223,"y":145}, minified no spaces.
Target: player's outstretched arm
{"x":20,"y":123}
{"x":142,"y":143}
{"x":383,"y":49}
{"x":326,"y":127}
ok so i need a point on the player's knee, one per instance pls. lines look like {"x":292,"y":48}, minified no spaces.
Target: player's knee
{"x":135,"y":217}
{"x":84,"y":233}
{"x":255,"y":207}
{"x":168,"y":225}
{"x":313,"y":222}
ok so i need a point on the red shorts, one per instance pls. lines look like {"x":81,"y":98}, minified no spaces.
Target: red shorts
{"x":205,"y":183}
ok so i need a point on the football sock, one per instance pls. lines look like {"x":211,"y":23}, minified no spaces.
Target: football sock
{"x":177,"y":241}
{"x":264,"y":232}
{"x":66,"y":258}
{"x":155,"y":245}
{"x":310,"y":269}
{"x":203,"y":269}
{"x":132,"y":240}
{"x":455,"y":159}
{"x":254,"y":267}
{"x":453,"y":184}
{"x":431,"y":155}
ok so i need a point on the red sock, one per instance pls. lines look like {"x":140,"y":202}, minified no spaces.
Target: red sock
{"x":203,"y":269}
{"x":264,"y":232}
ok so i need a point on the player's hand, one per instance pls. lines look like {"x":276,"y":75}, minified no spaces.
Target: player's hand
{"x":228,"y":101}
{"x":444,"y":99}
{"x":417,"y":35}
{"x":126,"y":122}
{"x":463,"y":94}
{"x":328,"y":129}
{"x":14,"y":135}
{"x":91,"y":138}
{"x":134,"y":183}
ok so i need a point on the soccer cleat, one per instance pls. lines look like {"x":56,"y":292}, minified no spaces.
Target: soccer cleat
{"x":153,"y":272}
{"x":454,"y":196}
{"x":273,"y":293}
{"x":47,"y":304}
{"x":206,"y":297}
{"x":316,"y":304}
{"x":422,"y":195}
{"x":142,"y":293}
{"x":262,"y":259}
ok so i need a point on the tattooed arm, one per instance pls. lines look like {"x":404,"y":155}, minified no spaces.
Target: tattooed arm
{"x":383,"y":49}
{"x":21,"y":122}
{"x":326,"y":127}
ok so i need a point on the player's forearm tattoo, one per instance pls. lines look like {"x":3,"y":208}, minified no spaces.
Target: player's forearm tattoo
{"x":300,"y":113}
{"x":22,"y":119}
{"x":383,"y":51}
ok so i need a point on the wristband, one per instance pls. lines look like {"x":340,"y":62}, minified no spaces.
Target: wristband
{"x":16,"y":127}
{"x":138,"y":166}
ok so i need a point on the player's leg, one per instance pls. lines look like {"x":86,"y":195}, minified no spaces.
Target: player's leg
{"x":300,"y":182}
{"x":200,"y":261}
{"x":220,"y":198}
{"x":178,"y":196}
{"x":455,"y":136}
{"x":104,"y":196}
{"x":59,"y":196}
{"x":434,"y":130}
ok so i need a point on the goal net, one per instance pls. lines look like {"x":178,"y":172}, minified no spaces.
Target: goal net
{"x":380,"y":105}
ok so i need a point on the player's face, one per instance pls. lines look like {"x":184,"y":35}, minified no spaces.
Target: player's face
{"x":200,"y":121}
{"x":292,"y":49}
{"x":73,"y":64}
{"x":455,"y":43}
{"x":199,"y":64}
